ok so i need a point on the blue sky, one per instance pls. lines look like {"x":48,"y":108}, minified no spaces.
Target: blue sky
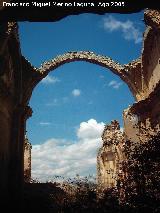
{"x":72,"y":104}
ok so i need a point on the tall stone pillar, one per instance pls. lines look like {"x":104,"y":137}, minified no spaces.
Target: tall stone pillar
{"x":27,"y":160}
{"x":110,"y":156}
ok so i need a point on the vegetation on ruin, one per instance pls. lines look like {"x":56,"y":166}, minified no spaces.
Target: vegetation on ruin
{"x":141,"y":184}
{"x":137,"y":192}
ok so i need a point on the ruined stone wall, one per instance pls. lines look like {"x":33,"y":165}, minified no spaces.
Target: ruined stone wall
{"x":6,"y":111}
{"x":13,"y":113}
{"x":151,"y":51}
{"x":142,"y":120}
{"x":110,"y":156}
{"x":5,"y":138}
{"x":27,"y":160}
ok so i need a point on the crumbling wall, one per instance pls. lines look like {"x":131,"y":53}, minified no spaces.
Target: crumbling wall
{"x":110,"y":156}
{"x":151,"y":51}
{"x":13,"y":113}
{"x":6,"y":110}
{"x":142,"y":120}
{"x":27,"y":160}
{"x":5,"y":138}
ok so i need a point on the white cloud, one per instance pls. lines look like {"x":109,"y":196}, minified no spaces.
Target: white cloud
{"x":90,"y":129}
{"x":50,"y":80}
{"x":128,"y":28}
{"x":115,"y":84}
{"x":76,"y":92}
{"x":45,"y":123}
{"x":68,"y":158}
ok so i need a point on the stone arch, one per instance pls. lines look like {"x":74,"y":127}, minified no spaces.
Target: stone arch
{"x":88,"y":56}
